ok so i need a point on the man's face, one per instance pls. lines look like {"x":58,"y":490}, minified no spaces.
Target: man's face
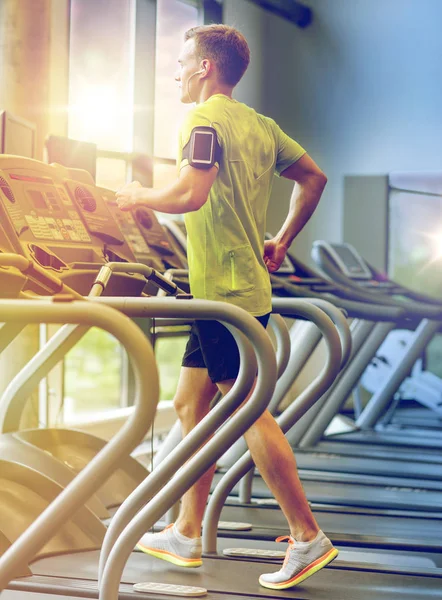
{"x":188,"y":65}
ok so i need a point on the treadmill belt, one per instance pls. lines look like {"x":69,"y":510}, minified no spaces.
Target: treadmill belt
{"x":340,"y":446}
{"x":349,"y":494}
{"x":369,"y":466}
{"x":240,"y":578}
{"x":391,"y":439}
{"x":352,"y":529}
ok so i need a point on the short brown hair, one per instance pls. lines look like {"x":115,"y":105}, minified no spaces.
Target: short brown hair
{"x":225,"y":46}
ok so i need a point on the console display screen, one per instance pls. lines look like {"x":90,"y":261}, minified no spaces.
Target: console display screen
{"x":349,"y":259}
{"x":38,"y":199}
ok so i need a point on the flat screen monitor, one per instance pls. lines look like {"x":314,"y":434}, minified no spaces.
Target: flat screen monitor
{"x":71,"y":153}
{"x":17,"y":136}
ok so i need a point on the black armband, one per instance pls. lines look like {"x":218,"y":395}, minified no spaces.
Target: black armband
{"x":202,"y":150}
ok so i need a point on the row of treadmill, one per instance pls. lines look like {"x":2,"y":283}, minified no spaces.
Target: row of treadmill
{"x":72,"y":506}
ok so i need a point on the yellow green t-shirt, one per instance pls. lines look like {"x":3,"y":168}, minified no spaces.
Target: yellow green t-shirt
{"x":225,"y":237}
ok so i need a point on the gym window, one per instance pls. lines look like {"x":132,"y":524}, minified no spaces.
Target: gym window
{"x":123,"y":97}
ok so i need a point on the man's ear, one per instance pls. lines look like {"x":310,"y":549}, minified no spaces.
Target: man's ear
{"x":206,"y":67}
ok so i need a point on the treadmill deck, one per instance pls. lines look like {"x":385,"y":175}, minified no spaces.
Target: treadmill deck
{"x":225,"y":578}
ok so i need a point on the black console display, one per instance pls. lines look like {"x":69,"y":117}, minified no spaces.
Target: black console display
{"x":349,"y":261}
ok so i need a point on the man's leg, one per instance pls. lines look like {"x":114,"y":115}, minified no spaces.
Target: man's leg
{"x":276,"y":462}
{"x":192,"y":403}
{"x":180,"y":543}
{"x":309,"y":549}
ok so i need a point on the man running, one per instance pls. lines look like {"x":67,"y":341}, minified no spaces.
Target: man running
{"x":228,"y":155}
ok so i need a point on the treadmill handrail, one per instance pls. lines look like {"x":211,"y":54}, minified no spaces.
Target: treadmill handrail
{"x":100,"y":468}
{"x":299,"y":407}
{"x":183,"y":449}
{"x":333,"y":273}
{"x":341,"y":324}
{"x":352,"y":300}
{"x":309,"y":337}
{"x":115,"y":555}
{"x":14,"y":398}
{"x":161,"y":281}
{"x":285,"y":382}
{"x":367,"y":339}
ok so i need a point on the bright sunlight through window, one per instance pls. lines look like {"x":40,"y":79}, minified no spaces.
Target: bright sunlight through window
{"x":101,"y":73}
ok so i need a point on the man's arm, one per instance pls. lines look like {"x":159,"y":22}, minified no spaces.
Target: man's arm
{"x":309,"y":185}
{"x":186,"y":194}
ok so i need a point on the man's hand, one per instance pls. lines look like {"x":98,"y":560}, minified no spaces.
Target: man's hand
{"x":128,"y":195}
{"x":274,"y":254}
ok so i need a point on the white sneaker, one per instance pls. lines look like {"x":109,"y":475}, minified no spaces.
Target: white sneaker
{"x":301,"y":560}
{"x":173,"y":546}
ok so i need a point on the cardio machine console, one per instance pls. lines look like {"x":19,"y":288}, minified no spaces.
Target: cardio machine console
{"x":59,"y":223}
{"x":348,"y":260}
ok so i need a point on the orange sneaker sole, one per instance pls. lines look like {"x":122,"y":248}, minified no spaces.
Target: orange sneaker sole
{"x":311,"y":569}
{"x":170,"y":557}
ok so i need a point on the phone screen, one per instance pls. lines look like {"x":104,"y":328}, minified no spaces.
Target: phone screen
{"x":202,"y":147}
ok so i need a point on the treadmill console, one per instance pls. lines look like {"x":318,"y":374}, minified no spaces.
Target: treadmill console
{"x":348,"y":260}
{"x":60,"y":223}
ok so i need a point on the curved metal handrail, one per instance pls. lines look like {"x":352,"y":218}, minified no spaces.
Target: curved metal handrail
{"x":310,"y":395}
{"x":199,"y":463}
{"x":339,"y":319}
{"x":100,"y":468}
{"x":297,"y":359}
{"x":185,"y":448}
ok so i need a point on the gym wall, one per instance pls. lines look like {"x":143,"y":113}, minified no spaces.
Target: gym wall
{"x":359,"y":89}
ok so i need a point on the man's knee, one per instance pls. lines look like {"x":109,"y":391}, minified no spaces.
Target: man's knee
{"x":191,"y":407}
{"x":182,"y":407}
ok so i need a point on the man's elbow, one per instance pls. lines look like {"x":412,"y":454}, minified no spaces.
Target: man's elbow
{"x":321,"y":179}
{"x":195,"y":201}
{"x":314,"y":180}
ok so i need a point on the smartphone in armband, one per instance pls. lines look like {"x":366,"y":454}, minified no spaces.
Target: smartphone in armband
{"x":203,"y":150}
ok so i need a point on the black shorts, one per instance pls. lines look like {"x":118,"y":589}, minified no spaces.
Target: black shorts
{"x":211,"y":346}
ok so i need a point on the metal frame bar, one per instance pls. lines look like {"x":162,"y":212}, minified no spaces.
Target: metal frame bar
{"x":367,"y":341}
{"x":309,"y":396}
{"x":380,"y":400}
{"x":100,"y":468}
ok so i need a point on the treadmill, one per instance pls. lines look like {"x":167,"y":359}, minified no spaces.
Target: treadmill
{"x":59,"y":226}
{"x":90,"y":201}
{"x":363,"y":277}
{"x":222,"y":577}
{"x":299,"y":280}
